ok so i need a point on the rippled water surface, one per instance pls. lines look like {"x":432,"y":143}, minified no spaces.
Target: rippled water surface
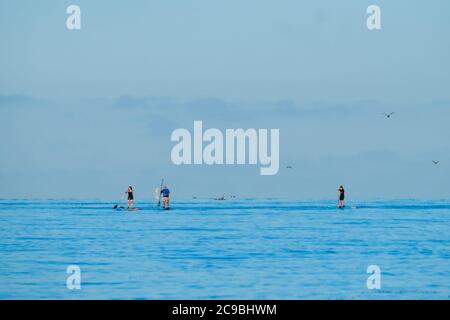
{"x":246,"y":249}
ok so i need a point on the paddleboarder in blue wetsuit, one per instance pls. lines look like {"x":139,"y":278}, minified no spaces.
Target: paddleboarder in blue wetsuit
{"x":165,"y":193}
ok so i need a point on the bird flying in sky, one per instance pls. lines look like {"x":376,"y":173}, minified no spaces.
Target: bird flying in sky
{"x":388,"y":115}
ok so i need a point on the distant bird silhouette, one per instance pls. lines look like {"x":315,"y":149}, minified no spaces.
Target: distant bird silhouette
{"x":388,"y":115}
{"x":435,"y":162}
{"x":288,"y":167}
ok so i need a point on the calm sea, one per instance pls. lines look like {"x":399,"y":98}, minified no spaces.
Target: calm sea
{"x":243,"y":249}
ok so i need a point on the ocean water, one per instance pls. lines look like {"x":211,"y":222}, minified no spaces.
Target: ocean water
{"x":243,"y":249}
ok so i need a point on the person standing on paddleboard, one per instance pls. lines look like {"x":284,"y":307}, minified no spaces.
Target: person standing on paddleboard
{"x":130,"y":197}
{"x":341,"y":193}
{"x":165,"y":193}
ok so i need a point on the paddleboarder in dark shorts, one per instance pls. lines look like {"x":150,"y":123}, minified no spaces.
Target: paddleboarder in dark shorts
{"x":341,"y":193}
{"x":130,"y":197}
{"x":165,"y":193}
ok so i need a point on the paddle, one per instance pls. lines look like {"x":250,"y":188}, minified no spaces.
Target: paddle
{"x":160,"y":188}
{"x":117,"y":204}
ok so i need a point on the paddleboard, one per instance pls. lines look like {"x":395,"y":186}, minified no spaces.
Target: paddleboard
{"x":127,"y":209}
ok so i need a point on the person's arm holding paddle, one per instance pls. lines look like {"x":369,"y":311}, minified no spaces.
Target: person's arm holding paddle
{"x":159,"y":195}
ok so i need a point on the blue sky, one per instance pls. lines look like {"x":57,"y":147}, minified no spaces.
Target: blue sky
{"x":85,"y":113}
